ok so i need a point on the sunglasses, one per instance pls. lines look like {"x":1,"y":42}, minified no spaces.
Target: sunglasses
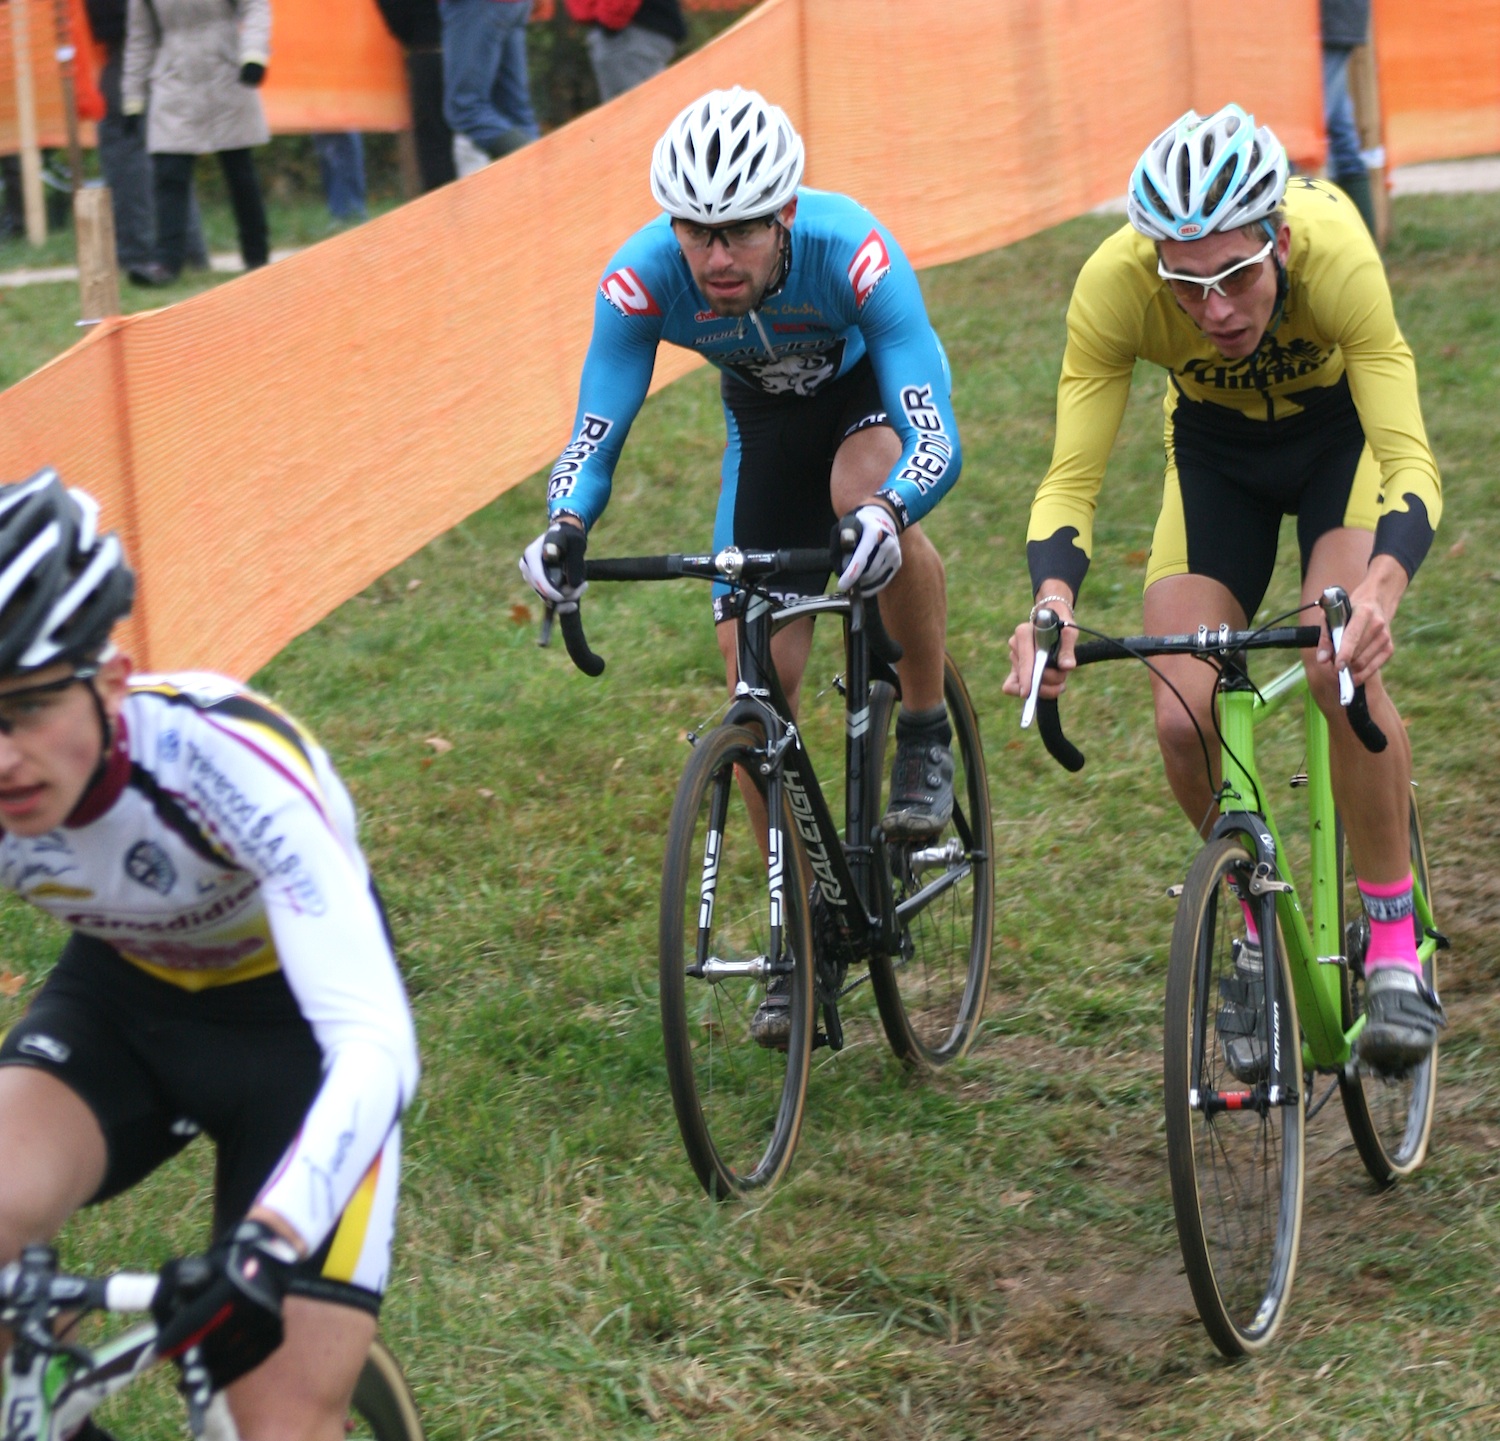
{"x":743,"y":235}
{"x":28,"y":708}
{"x":1229,"y":283}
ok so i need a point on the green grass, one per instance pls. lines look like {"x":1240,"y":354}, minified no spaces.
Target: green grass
{"x":988,"y":1253}
{"x":40,"y":321}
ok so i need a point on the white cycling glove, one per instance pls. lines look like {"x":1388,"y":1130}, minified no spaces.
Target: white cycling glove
{"x":553,"y":566}
{"x":877,"y":555}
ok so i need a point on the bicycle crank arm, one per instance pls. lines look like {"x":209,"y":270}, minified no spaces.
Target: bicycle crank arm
{"x":912,"y":905}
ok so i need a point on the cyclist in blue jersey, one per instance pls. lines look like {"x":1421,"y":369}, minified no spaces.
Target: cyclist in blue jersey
{"x":836,"y":398}
{"x":227,"y":972}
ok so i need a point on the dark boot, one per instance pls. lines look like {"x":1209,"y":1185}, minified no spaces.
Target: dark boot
{"x":1357,"y":188}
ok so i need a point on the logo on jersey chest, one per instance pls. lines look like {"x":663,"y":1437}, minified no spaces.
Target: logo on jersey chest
{"x":625,"y":290}
{"x":871,"y":265}
{"x":147,"y":863}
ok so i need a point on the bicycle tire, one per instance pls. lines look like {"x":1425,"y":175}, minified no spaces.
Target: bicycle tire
{"x":383,"y":1401}
{"x":1390,"y":1116}
{"x":931,"y":993}
{"x":1236,"y":1174}
{"x":739,"y":1105}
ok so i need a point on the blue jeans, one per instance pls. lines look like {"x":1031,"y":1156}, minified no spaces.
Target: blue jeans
{"x":1344,"y":157}
{"x":341,"y":165}
{"x":486,"y":88}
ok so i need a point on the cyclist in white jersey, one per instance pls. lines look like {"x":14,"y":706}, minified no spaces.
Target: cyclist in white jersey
{"x":228,"y":972}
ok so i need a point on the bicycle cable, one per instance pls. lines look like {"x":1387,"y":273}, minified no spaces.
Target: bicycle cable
{"x":1156,"y":671}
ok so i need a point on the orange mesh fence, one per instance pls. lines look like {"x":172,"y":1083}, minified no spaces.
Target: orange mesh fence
{"x":272,"y":446}
{"x":49,"y":25}
{"x":334,"y":66}
{"x":1439,"y":63}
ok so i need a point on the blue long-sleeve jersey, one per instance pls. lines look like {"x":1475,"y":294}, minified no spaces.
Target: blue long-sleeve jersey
{"x":849,"y":291}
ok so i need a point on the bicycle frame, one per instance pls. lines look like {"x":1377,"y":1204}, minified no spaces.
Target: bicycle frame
{"x":48,"y":1394}
{"x":855,"y":887}
{"x":1315,"y":951}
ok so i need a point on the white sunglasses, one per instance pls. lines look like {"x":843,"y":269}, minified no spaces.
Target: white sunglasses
{"x":1229,"y":283}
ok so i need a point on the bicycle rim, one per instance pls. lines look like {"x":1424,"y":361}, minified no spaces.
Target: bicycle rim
{"x":1236,"y":1173}
{"x":1390,"y":1116}
{"x":931,"y":992}
{"x":383,"y":1408}
{"x":739,"y":1104}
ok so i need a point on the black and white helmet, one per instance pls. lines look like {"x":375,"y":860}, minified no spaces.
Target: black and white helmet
{"x":1200,"y":176}
{"x":731,"y":155}
{"x":62,"y":584}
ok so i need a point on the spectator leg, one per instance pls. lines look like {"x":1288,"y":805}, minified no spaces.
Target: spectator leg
{"x":127,"y":172}
{"x":172,"y":179}
{"x":424,"y":78}
{"x":341,"y":164}
{"x":622,"y":59}
{"x":474,"y":32}
{"x":249,"y":209}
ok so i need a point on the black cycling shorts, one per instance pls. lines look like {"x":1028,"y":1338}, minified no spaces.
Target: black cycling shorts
{"x":1230,"y":480}
{"x":778,"y":466}
{"x":157,"y":1065}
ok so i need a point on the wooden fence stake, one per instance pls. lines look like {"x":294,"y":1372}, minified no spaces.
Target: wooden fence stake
{"x":31,"y":155}
{"x":1364,"y":90}
{"x":98,"y":276}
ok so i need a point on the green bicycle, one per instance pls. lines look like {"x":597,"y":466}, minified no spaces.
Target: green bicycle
{"x":50,"y":1384}
{"x":1239,"y":1042}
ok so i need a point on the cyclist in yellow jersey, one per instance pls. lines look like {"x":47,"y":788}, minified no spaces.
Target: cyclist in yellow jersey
{"x":1291,"y":391}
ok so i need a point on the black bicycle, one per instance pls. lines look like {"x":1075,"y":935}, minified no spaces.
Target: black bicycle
{"x":759,"y":889}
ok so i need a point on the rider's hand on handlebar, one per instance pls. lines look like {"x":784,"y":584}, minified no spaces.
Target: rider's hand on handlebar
{"x":1023,"y":656}
{"x":228,"y":1302}
{"x":553,"y":566}
{"x":877,"y":551}
{"x":1367,"y":641}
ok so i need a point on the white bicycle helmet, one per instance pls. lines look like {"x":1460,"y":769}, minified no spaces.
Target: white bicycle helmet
{"x":729,"y":156}
{"x":62,"y":585}
{"x":1200,"y":176}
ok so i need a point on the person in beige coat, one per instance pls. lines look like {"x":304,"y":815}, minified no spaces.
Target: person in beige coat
{"x":192,"y":68}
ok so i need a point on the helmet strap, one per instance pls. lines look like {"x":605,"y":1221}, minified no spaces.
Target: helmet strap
{"x":106,"y":733}
{"x":783,"y":268}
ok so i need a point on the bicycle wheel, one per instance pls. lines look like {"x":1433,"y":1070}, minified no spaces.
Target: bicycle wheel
{"x":383,"y":1408}
{"x":1390,"y":1115}
{"x":931,"y":992}
{"x":1234,"y":1148}
{"x":739,"y":1104}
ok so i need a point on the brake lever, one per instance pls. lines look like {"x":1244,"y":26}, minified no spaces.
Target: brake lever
{"x":1046,"y":630}
{"x":1336,"y":611}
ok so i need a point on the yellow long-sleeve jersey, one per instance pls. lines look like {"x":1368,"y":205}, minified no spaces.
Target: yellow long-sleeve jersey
{"x":1336,"y":319}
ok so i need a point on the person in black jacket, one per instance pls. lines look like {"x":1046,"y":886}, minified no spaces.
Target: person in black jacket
{"x":418,"y":28}
{"x":123,"y":158}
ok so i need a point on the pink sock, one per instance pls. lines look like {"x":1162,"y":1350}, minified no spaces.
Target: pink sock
{"x":1252,"y":931}
{"x":1393,"y":939}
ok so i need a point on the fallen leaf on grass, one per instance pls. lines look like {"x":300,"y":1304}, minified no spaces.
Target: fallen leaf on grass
{"x":1457,"y":549}
{"x":487,"y":793}
{"x":1137,"y":557}
{"x":520,"y":613}
{"x":413,"y":584}
{"x":439,"y":744}
{"x":1019,"y":1199}
{"x":10,"y":984}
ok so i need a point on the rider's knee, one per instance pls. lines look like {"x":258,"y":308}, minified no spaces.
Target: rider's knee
{"x":1176,"y":733}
